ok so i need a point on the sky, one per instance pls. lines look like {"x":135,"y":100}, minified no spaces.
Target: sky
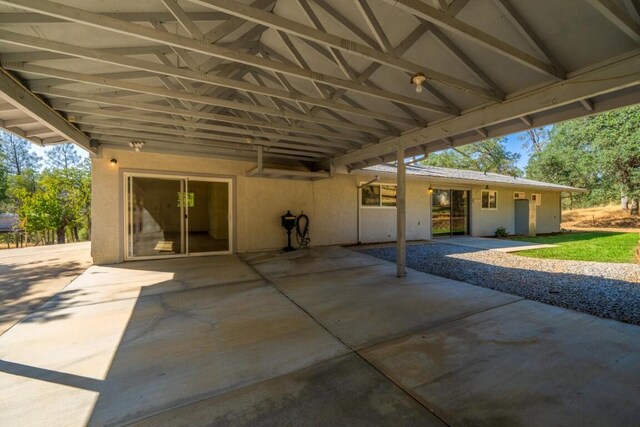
{"x":514,"y":143}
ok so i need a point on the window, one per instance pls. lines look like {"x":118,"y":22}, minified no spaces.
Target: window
{"x":537,"y":198}
{"x":489,"y":199}
{"x":378,"y":195}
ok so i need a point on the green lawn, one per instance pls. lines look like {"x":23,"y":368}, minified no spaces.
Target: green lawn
{"x":589,"y":246}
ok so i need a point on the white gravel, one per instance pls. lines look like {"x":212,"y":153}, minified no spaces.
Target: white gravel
{"x":603,"y":289}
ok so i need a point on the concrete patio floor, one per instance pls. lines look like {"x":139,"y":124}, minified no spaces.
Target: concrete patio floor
{"x":324,"y":336}
{"x":30,"y":276}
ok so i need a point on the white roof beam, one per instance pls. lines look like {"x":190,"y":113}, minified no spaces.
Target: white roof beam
{"x":46,"y":55}
{"x":618,"y":17}
{"x":183,"y":18}
{"x":618,"y":75}
{"x":443,"y":19}
{"x":587,"y":104}
{"x":7,"y":107}
{"x":232,"y":23}
{"x":127,"y":124}
{"x":180,"y":147}
{"x":25,"y":40}
{"x":527,"y":120}
{"x":328,"y":39}
{"x":139,"y":31}
{"x":194,"y":139}
{"x":153,"y":90}
{"x":374,"y":25}
{"x":442,"y":4}
{"x":633,"y":7}
{"x":333,"y":12}
{"x":456,"y":6}
{"x":36,"y":18}
{"x":527,"y":32}
{"x":463,"y":58}
{"x":104,"y":112}
{"x":483,"y":132}
{"x":18,"y":95}
{"x":299,"y":59}
{"x":253,"y":32}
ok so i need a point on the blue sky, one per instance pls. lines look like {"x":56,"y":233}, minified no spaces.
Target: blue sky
{"x":514,"y":143}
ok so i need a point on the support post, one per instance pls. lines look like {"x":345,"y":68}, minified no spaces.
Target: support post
{"x":401,"y":210}
{"x":260,"y":159}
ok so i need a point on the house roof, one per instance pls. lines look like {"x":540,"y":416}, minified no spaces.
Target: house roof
{"x":9,"y":223}
{"x":315,"y":83}
{"x":470,"y":177}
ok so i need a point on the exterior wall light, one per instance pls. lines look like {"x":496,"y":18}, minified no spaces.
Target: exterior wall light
{"x":113,"y":162}
{"x":418,"y":80}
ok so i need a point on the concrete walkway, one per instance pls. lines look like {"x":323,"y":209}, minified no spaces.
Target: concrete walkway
{"x":324,"y":336}
{"x":30,"y":276}
{"x":487,"y":243}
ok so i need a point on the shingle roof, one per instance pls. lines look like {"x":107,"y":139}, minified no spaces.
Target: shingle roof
{"x":469,"y":176}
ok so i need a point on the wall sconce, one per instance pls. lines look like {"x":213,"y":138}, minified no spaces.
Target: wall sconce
{"x":418,"y":80}
{"x":430,"y":190}
{"x":113,"y":162}
{"x":486,"y":187}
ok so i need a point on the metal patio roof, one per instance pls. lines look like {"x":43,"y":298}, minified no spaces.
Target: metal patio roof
{"x":316,"y":83}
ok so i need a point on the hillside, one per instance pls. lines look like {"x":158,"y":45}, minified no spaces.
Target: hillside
{"x":609,"y":217}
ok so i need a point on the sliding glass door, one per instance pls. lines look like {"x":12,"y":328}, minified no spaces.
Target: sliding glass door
{"x":208,"y":216}
{"x":156,"y":217}
{"x":176,"y":216}
{"x":449,"y":213}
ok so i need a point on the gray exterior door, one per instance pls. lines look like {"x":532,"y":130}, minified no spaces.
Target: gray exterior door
{"x":521,"y":225}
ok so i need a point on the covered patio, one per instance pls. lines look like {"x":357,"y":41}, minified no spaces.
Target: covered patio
{"x":283,"y":100}
{"x":263,"y":340}
{"x":299,"y":90}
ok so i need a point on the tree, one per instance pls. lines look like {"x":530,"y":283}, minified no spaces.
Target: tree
{"x":63,"y":156}
{"x":4,"y":182}
{"x":616,"y":136}
{"x":490,"y":155}
{"x":17,"y":154}
{"x":600,"y":153}
{"x":534,"y":140}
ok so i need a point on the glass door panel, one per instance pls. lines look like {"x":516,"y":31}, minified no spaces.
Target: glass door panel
{"x":156,"y":217}
{"x":459,"y":209}
{"x":441,"y":213}
{"x":208,"y":226}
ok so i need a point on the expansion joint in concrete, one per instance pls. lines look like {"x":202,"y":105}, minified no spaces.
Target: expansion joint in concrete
{"x":352,"y":349}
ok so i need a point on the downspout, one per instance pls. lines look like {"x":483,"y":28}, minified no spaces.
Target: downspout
{"x":375,"y":179}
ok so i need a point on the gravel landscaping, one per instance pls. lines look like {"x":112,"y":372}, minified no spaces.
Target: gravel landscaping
{"x":609,"y":290}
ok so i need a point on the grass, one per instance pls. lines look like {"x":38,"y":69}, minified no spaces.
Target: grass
{"x":589,"y":246}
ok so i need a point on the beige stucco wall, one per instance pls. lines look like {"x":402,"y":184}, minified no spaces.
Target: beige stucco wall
{"x":378,"y":224}
{"x":331,"y":204}
{"x":486,"y":222}
{"x":258,"y":202}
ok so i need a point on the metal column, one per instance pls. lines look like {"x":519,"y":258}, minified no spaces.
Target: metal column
{"x":401,"y":211}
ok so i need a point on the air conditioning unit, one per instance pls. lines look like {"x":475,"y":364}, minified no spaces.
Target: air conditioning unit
{"x":519,"y":195}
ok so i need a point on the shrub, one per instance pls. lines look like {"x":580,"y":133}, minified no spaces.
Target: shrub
{"x":502,"y":232}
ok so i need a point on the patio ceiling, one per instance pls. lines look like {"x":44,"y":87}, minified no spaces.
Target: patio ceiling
{"x":313,"y":82}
